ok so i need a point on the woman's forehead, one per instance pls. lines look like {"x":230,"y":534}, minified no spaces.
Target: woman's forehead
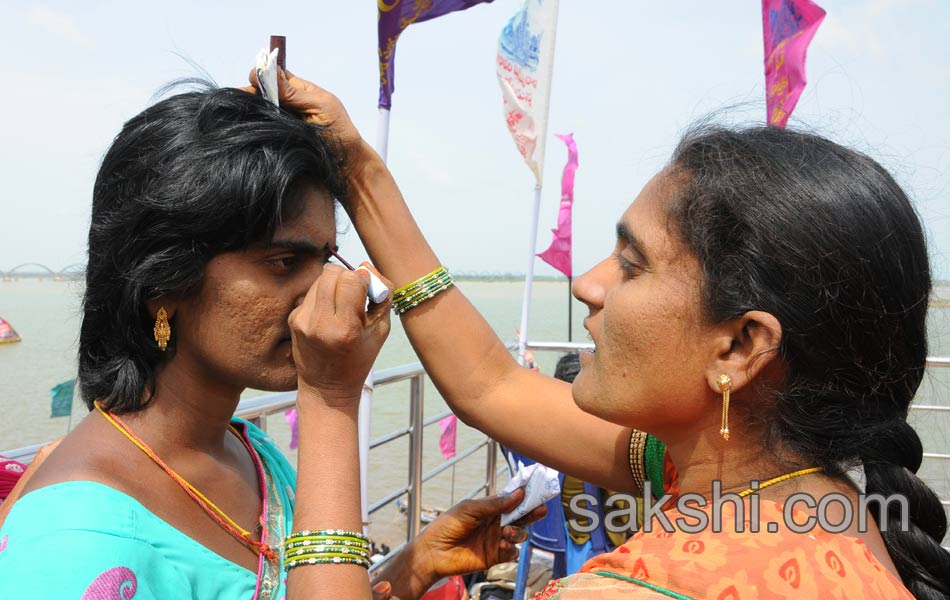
{"x":315,"y":216}
{"x":647,"y":215}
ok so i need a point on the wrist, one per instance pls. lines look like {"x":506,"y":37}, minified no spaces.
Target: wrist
{"x":360,"y":157}
{"x":338,"y":398}
{"x":410,"y":572}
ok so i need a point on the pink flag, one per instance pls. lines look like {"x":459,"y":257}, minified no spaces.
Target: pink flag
{"x":558,"y":255}
{"x":291,"y":416}
{"x":449,"y":426}
{"x":788,"y":26}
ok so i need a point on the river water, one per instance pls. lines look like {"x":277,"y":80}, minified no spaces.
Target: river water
{"x":46,"y":314}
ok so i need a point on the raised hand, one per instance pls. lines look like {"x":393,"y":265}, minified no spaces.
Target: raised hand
{"x":335,"y":341}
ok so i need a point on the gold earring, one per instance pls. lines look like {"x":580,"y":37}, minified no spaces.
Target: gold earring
{"x":725,"y":386}
{"x":162,"y":331}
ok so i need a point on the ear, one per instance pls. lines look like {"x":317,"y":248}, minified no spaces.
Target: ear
{"x":745,"y":347}
{"x":153,"y":304}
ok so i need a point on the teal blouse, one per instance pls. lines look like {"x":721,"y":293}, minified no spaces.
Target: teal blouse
{"x":82,"y":539}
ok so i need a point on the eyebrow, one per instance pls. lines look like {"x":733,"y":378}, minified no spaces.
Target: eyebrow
{"x":297,"y":245}
{"x":624,"y":233}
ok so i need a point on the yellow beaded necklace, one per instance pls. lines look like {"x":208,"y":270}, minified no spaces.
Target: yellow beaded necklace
{"x":780,"y":479}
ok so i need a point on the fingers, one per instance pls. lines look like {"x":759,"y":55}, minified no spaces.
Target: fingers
{"x":336,"y":296}
{"x":382,"y":591}
{"x":514,"y":534}
{"x":252,"y":78}
{"x":350,"y":297}
{"x":492,"y":506}
{"x":535,"y":515}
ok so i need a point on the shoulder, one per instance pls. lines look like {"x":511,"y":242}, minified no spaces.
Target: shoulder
{"x":82,"y":539}
{"x":86,"y":454}
{"x":779,"y":560}
{"x":73,"y":539}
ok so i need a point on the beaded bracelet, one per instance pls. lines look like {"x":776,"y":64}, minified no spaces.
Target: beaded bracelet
{"x":413,"y":294}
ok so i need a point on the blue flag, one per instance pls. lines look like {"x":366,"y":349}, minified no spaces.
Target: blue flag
{"x":62,"y":404}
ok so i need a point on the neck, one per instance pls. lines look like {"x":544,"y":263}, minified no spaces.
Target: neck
{"x":734,"y":463}
{"x":186,"y":412}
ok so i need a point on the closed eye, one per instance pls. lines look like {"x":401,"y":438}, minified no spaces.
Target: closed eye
{"x":629,"y":267}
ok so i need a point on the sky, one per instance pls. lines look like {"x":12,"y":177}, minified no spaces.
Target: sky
{"x":629,"y":77}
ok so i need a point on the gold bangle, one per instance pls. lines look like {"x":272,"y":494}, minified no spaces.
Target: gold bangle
{"x":638,"y":440}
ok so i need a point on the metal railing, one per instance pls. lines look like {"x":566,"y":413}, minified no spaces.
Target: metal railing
{"x":259,"y":408}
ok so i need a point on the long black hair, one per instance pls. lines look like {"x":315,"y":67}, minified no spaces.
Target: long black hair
{"x":194,"y":175}
{"x":824,"y":239}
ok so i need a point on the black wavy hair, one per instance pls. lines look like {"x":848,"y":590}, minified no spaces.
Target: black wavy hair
{"x":195,"y":175}
{"x":824,"y":239}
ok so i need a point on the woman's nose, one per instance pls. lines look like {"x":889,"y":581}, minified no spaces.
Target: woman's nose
{"x":590,"y":288}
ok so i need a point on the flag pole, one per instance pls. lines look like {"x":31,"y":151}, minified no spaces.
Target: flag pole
{"x":382,"y":133}
{"x":570,"y":318}
{"x":366,"y":402}
{"x":529,"y":277}
{"x":69,"y":421}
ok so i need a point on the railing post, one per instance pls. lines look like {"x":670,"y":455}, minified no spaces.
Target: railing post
{"x":414,"y":512}
{"x":491,"y":466}
{"x":260,"y":422}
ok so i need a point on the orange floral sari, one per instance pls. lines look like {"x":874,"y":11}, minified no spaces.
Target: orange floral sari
{"x":733,"y":565}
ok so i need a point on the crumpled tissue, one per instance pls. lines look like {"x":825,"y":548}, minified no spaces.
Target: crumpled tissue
{"x":267,"y":74}
{"x":540,"y":484}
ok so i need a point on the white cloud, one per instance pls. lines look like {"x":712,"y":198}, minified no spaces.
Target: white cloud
{"x":57,"y":24}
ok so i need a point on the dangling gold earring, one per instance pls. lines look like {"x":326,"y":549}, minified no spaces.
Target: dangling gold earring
{"x":163,"y":331}
{"x":725,"y":386}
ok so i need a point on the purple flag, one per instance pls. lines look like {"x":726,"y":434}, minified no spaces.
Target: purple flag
{"x":558,"y":255}
{"x":787,"y":27}
{"x":396,"y":15}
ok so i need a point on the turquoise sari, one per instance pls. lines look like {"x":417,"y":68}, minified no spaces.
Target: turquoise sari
{"x":54,"y":545}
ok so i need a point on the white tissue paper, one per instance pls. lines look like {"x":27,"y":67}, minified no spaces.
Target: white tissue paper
{"x":540,"y":484}
{"x":267,"y":74}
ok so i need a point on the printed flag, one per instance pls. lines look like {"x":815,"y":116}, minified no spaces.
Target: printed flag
{"x":449,"y":426}
{"x":788,"y":26}
{"x":394,"y":16}
{"x":524,"y":65}
{"x":62,"y":399}
{"x":558,"y":255}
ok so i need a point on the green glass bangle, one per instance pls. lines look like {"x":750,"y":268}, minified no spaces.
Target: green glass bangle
{"x":324,"y":533}
{"x":422,"y":289}
{"x":327,"y":561}
{"x":654,"y":455}
{"x":324,"y":542}
{"x":326,"y":549}
{"x":402,"y":307}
